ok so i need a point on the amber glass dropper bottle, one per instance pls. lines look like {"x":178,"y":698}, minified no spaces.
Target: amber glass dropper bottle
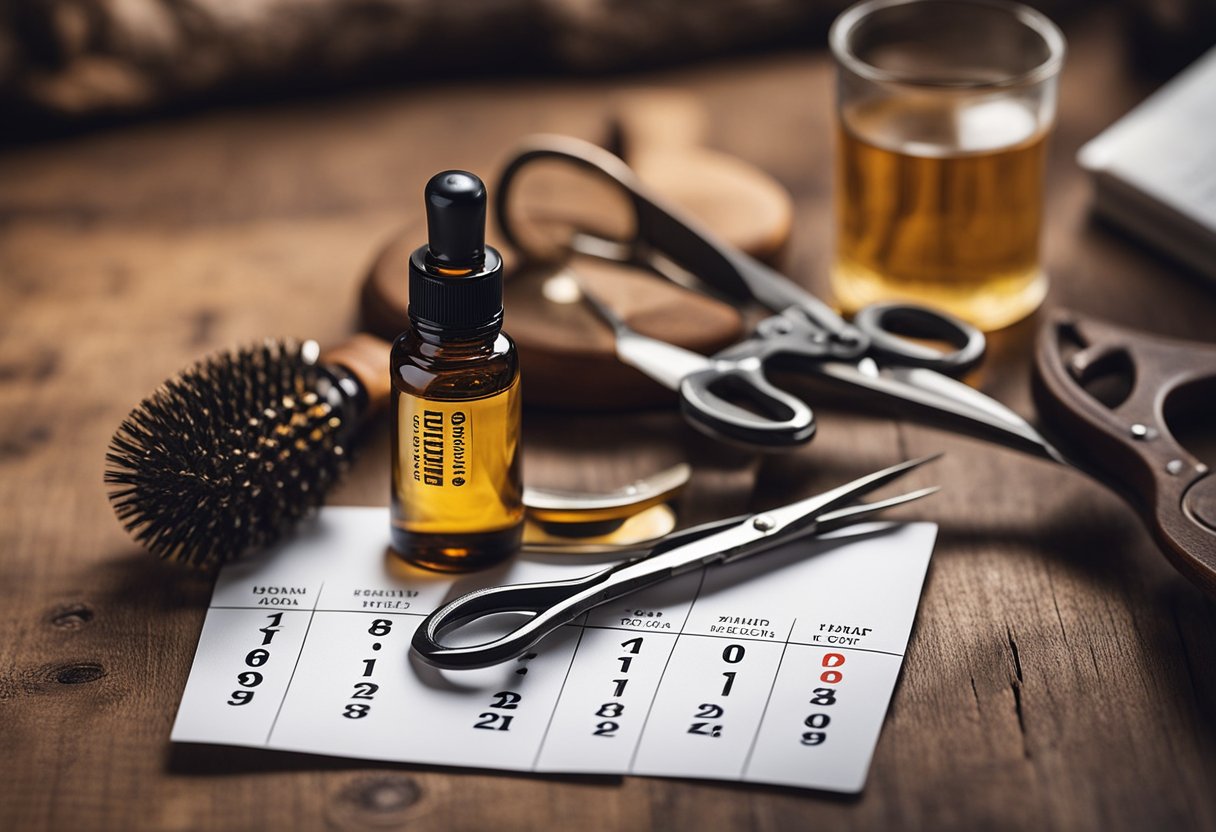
{"x":457,"y":492}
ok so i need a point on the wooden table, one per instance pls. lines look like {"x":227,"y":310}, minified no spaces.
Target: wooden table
{"x":1060,"y":675}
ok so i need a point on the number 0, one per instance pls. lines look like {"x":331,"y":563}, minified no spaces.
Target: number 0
{"x":817,"y":721}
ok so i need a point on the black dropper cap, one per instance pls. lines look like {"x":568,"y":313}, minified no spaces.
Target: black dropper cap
{"x":456,"y":279}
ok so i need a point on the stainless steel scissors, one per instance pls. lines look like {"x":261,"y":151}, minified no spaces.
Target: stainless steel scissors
{"x":1123,"y":441}
{"x":556,"y":603}
{"x":868,"y":356}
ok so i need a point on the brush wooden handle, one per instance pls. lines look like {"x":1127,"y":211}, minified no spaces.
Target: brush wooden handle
{"x":366,"y":356}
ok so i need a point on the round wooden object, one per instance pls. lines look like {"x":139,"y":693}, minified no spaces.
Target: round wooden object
{"x":661,"y":131}
{"x":737,"y":201}
{"x":567,"y":354}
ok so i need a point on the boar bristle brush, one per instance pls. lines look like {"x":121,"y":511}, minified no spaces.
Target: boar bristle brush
{"x":229,"y":454}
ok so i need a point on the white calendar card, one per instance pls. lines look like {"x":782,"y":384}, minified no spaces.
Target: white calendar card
{"x":775,"y":669}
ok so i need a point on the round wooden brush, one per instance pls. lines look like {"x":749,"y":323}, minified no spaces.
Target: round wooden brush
{"x":229,"y":454}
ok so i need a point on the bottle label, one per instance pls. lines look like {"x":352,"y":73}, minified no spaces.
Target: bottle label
{"x":457,"y":466}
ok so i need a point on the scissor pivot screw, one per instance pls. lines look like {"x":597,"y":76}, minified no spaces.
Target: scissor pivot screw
{"x":1143,"y":432}
{"x":764,"y":523}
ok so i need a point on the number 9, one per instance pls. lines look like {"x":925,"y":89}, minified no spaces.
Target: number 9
{"x":240,"y":697}
{"x":813,"y":738}
{"x":249,"y":679}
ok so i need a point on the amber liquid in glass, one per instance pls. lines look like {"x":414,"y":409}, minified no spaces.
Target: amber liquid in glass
{"x":940,"y":202}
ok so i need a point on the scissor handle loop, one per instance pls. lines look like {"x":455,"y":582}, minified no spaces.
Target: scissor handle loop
{"x":889,"y":326}
{"x":659,"y":228}
{"x":783,"y":419}
{"x":575,"y":151}
{"x":554,"y":603}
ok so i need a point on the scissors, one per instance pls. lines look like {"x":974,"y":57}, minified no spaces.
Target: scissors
{"x":1123,"y":442}
{"x":870,"y":355}
{"x":557,"y":603}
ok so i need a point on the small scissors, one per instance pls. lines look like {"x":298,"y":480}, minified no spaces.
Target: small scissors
{"x":556,"y":603}
{"x":869,"y":355}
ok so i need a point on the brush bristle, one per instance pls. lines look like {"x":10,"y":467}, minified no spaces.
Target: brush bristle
{"x":226,"y":456}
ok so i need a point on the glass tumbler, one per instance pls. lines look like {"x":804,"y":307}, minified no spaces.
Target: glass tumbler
{"x":943,"y":111}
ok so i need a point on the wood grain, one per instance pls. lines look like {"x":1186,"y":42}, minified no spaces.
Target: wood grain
{"x":1061,"y":675}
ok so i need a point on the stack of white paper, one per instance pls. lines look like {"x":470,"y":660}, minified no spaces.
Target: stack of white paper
{"x":1154,"y":170}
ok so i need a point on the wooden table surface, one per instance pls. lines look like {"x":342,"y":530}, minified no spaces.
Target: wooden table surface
{"x":1060,"y":674}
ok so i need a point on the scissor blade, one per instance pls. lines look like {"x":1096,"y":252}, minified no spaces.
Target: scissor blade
{"x":851,"y":514}
{"x":939,"y":398}
{"x":762,"y":531}
{"x":665,"y":363}
{"x":806,"y":512}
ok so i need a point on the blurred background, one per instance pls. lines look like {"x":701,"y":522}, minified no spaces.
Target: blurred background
{"x":70,"y":64}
